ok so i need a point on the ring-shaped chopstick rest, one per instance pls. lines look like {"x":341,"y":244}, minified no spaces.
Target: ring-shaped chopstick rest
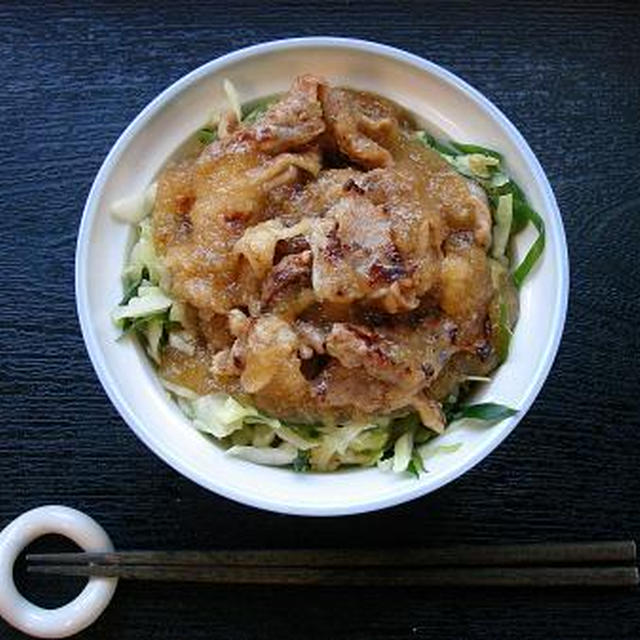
{"x":86,"y":607}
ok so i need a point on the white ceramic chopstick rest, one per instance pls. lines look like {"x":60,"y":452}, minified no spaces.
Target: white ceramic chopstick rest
{"x":89,"y":604}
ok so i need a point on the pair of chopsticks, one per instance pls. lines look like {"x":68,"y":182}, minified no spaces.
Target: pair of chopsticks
{"x":597,"y":564}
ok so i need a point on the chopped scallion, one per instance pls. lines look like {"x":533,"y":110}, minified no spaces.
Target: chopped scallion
{"x":524,"y":211}
{"x":486,"y":411}
{"x":251,"y":112}
{"x":207,"y":135}
{"x":301,"y":462}
{"x":416,"y":465}
{"x":474,"y":148}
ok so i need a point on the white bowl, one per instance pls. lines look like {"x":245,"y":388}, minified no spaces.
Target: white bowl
{"x":448,"y":105}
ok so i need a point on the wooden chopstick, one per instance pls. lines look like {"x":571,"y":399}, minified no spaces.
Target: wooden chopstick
{"x":607,"y":564}
{"x":546,"y":554}
{"x":607,"y":576}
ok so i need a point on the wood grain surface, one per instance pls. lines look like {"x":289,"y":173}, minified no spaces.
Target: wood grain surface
{"x":568,"y":75}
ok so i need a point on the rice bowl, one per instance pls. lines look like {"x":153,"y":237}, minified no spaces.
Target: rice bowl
{"x":446,"y":104}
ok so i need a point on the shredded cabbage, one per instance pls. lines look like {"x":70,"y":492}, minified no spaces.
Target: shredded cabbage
{"x":178,"y":390}
{"x":276,"y":456}
{"x":242,"y":437}
{"x":263,"y":435}
{"x":371,"y":440}
{"x":502,"y":227}
{"x":252,"y":434}
{"x":232,"y":97}
{"x":177,"y":313}
{"x":336,"y":440}
{"x":181,"y":341}
{"x":293,"y":438}
{"x":431,"y":449}
{"x":482,"y":165}
{"x":475,"y":165}
{"x":134,"y":208}
{"x":143,"y":255}
{"x":402,"y":451}
{"x":153,"y":333}
{"x":150,"y":301}
{"x":498,"y":179}
{"x":185,"y":406}
{"x":219,"y":414}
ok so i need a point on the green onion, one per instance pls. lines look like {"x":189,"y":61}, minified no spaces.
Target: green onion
{"x":132,"y":290}
{"x":308,"y":431}
{"x":450,"y":407}
{"x":167,"y":327}
{"x":423,"y":435}
{"x":521,"y":210}
{"x":207,"y":135}
{"x":301,"y":462}
{"x":136,"y":325}
{"x":503,"y":334}
{"x":416,"y":465}
{"x":474,"y":148}
{"x":251,"y":112}
{"x":446,"y":448}
{"x":139,"y":326}
{"x":411,"y":422}
{"x":509,"y":187}
{"x":499,"y":312}
{"x":487,"y":411}
{"x":522,"y":215}
{"x":406,"y":423}
{"x":429,"y":141}
{"x":514,"y":188}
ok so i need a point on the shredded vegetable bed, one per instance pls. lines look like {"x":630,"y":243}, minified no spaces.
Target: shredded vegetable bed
{"x":320,"y":283}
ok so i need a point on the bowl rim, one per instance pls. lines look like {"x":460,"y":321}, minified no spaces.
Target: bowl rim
{"x":110,"y":384}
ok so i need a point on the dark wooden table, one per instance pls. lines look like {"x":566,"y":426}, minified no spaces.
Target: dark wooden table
{"x":568,"y":75}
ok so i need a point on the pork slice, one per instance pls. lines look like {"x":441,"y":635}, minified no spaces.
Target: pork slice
{"x":270,"y":343}
{"x":174,"y":198}
{"x":283,"y":168}
{"x":359,"y":124}
{"x":430,"y":412}
{"x":311,"y":336}
{"x":258,"y":243}
{"x":291,"y":275}
{"x":355,"y":257}
{"x":349,"y":391}
{"x":462,"y":204}
{"x":294,"y":121}
{"x":466,"y":286}
{"x":333,"y":278}
{"x":231,"y":181}
{"x":319,"y":195}
{"x":358,"y":346}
